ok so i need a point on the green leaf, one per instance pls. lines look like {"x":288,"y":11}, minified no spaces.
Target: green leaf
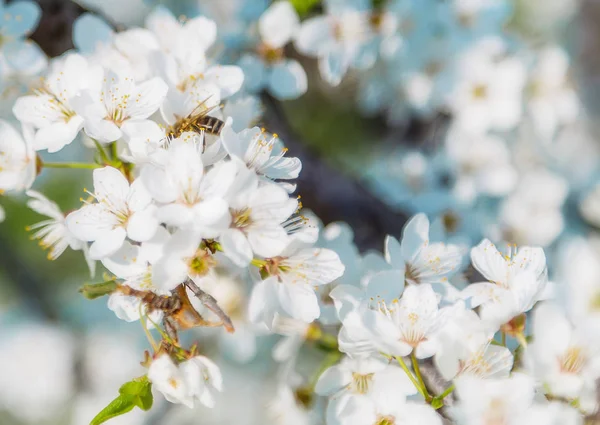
{"x":140,"y":391}
{"x":119,"y":406}
{"x":137,"y":392}
{"x":96,"y":290}
{"x":304,"y":6}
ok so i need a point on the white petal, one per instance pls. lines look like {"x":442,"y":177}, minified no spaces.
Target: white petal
{"x":146,"y":99}
{"x":110,"y":184}
{"x":142,"y":225}
{"x":299,"y":301}
{"x":278,"y":24}
{"x":125,"y":262}
{"x":228,"y":78}
{"x":254,"y":71}
{"x":314,"y":33}
{"x":332,"y":380}
{"x":108,"y":243}
{"x":414,"y":236}
{"x":102,"y":130}
{"x":236,"y":247}
{"x":287,"y":80}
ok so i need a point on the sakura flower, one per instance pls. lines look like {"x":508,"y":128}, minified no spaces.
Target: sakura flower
{"x":189,"y":195}
{"x":357,"y":387}
{"x":119,"y":101}
{"x":564,"y":357}
{"x":121,"y":211}
{"x":335,"y":38}
{"x":534,"y":216}
{"x":53,"y":233}
{"x":289,"y":290}
{"x":257,"y":215}
{"x":501,"y":401}
{"x":260,"y":153}
{"x":483,"y":164}
{"x":17,"y":158}
{"x":412,"y":323}
{"x":421,"y":260}
{"x":284,"y":78}
{"x":466,"y":349}
{"x":552,"y":99}
{"x":19,"y":20}
{"x":516,"y":281}
{"x":51,"y":109}
{"x":385,"y":322}
{"x":183,"y":62}
{"x":196,"y":379}
{"x":488,"y":92}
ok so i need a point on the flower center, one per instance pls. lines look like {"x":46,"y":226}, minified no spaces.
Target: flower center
{"x":480,"y":91}
{"x":385,"y":420}
{"x":241,"y":218}
{"x":360,"y":383}
{"x":411,"y":275}
{"x":269,"y":54}
{"x":376,"y":19}
{"x":451,"y":221}
{"x":201,"y":263}
{"x":475,"y":365}
{"x":573,"y":360}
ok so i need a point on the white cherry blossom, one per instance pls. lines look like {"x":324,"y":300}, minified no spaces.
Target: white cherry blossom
{"x":289,"y":290}
{"x":262,"y":153}
{"x":563,"y":357}
{"x":196,"y":379}
{"x":118,"y":101}
{"x":121,"y":210}
{"x":190,"y":196}
{"x":421,"y":260}
{"x":51,"y":108}
{"x":268,"y":68}
{"x":515,"y":281}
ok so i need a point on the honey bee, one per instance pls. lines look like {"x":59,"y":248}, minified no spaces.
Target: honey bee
{"x":179,"y":314}
{"x":199,"y":121}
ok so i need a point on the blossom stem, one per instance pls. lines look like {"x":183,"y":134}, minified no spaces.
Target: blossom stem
{"x":415,"y":365}
{"x":114,"y":153}
{"x":149,"y":336}
{"x":522,"y":340}
{"x":257,"y":262}
{"x":446,"y":392}
{"x":102,"y":151}
{"x":74,"y":165}
{"x":503,"y":339}
{"x":410,"y":376}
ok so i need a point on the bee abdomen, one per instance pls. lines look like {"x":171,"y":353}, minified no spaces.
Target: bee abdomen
{"x":212,"y":125}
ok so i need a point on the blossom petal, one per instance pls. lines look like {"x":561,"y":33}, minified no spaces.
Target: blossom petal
{"x":107,"y":243}
{"x":287,"y":80}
